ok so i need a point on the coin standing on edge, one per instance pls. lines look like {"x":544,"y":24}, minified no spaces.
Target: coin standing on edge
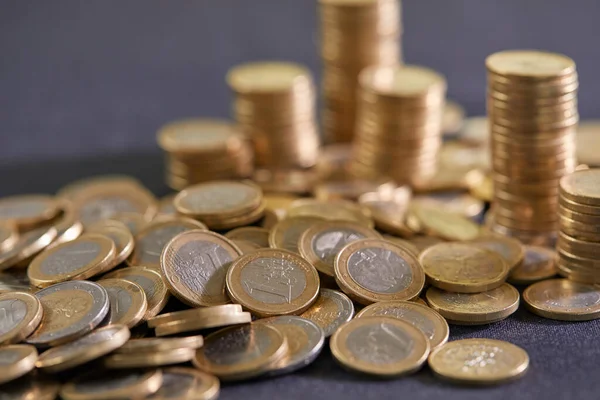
{"x":128,"y":304}
{"x":16,"y":360}
{"x":563,"y":300}
{"x":93,"y":386}
{"x":187,"y":383}
{"x":330,"y":311}
{"x":538,"y":264}
{"x":20,"y":314}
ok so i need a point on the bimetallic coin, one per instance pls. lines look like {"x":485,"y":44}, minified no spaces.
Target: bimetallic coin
{"x":113,"y":386}
{"x":185,"y":384}
{"x":78,"y":259}
{"x":20,"y":315}
{"x":198,"y":324}
{"x":15,"y":361}
{"x":118,"y":233}
{"x":538,"y":264}
{"x":128,"y":303}
{"x":582,"y":187}
{"x":382,"y":346}
{"x":448,"y":226}
{"x":372,"y":270}
{"x":272,"y":282}
{"x":330,"y":311}
{"x":146,"y":345}
{"x":28,"y":245}
{"x":146,"y":360}
{"x":195,"y":313}
{"x":8,"y":236}
{"x":241,"y":352}
{"x":408,"y":246}
{"x":286,"y":233}
{"x":432,"y":324}
{"x":463,"y":267}
{"x":28,"y":211}
{"x":194,"y":264}
{"x":479,"y":361}
{"x":87,"y":348}
{"x":71,"y":309}
{"x":563,"y":300}
{"x":509,"y":248}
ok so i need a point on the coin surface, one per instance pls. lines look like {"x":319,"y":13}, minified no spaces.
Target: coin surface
{"x":330,"y":311}
{"x":28,"y":245}
{"x":146,"y":360}
{"x":185,"y":383}
{"x":133,"y":221}
{"x":509,"y":248}
{"x":145,"y":345}
{"x":538,"y":264}
{"x":20,"y":314}
{"x":479,"y":361}
{"x":432,"y":324}
{"x":272,"y":282}
{"x":197,"y":324}
{"x":380,"y":346}
{"x":120,"y":234}
{"x":29,"y":210}
{"x":286,"y":233}
{"x":31,"y":387}
{"x":563,"y":300}
{"x":194,"y":264}
{"x":241,"y":352}
{"x":333,"y":210}
{"x":199,"y":313}
{"x":93,"y":386}
{"x":446,"y":225}
{"x":474,"y":308}
{"x":372,"y":270}
{"x":71,"y":310}
{"x":128,"y":303}
{"x":15,"y":361}
{"x":87,"y":348}
{"x":464,"y":268}
{"x":249,"y":238}
{"x":8,"y":236}
{"x":582,"y":187}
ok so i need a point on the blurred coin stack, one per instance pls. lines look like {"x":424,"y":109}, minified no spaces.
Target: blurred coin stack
{"x":199,"y":150}
{"x":354,"y":34}
{"x":398,"y":132}
{"x":532,"y":110}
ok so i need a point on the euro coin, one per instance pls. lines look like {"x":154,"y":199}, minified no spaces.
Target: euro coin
{"x":128,"y":303}
{"x":28,"y":245}
{"x":21,"y":313}
{"x":94,"y":386}
{"x":16,"y":360}
{"x":510,"y":249}
{"x":330,"y":311}
{"x":199,"y":324}
{"x":183,"y":383}
{"x":563,"y":300}
{"x":149,"y":345}
{"x":147,"y":360}
{"x":8,"y":236}
{"x":448,"y":226}
{"x":286,"y":233}
{"x":120,"y":235}
{"x":538,"y":264}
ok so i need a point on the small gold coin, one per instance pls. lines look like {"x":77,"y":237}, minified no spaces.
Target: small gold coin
{"x":20,"y":315}
{"x":16,"y":360}
{"x":8,"y":236}
{"x":28,"y":245}
{"x":185,"y":384}
{"x":286,"y":233}
{"x":446,"y":225}
{"x":128,"y":304}
{"x":474,"y":308}
{"x":432,"y":324}
{"x":582,"y":187}
{"x":563,"y":300}
{"x":28,"y":211}
{"x":372,"y":270}
{"x":198,"y":324}
{"x":124,"y":385}
{"x":381,"y":346}
{"x":538,"y":264}
{"x":87,"y":348}
{"x":147,"y":360}
{"x":146,"y":345}
{"x":273,"y":282}
{"x":464,"y":268}
{"x":336,"y":210}
{"x":196,"y":313}
{"x":330,"y":311}
{"x":119,"y":234}
{"x":249,"y":238}
{"x":509,"y":248}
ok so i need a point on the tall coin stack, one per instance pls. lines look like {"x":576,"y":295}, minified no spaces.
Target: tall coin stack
{"x":275,"y":106}
{"x":354,"y":34}
{"x":398,"y":131}
{"x":532,"y":110}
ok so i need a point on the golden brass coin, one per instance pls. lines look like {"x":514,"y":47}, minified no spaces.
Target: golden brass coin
{"x":147,"y":360}
{"x":28,"y":211}
{"x":508,"y":248}
{"x":134,"y":221}
{"x":20,"y":315}
{"x":192,"y":136}
{"x":194,"y":264}
{"x":428,"y":321}
{"x":529,"y":65}
{"x":424,"y":242}
{"x":146,"y":345}
{"x":79,"y":259}
{"x":87,"y":348}
{"x":372,"y":270}
{"x":198,"y":324}
{"x":221,"y":224}
{"x":588,"y":143}
{"x":118,"y":233}
{"x":474,"y":308}
{"x":279,"y":202}
{"x":249,"y":238}
{"x":28,"y":245}
{"x":93,"y":386}
{"x":579,"y":217}
{"x":128,"y":303}
{"x":269,"y":219}
{"x":273,"y":282}
{"x":287,"y":232}
{"x":582,"y":187}
{"x":463,"y":268}
{"x":538,"y":264}
{"x":479,"y":361}
{"x":452,"y":202}
{"x":196,"y":313}
{"x":187,"y":383}
{"x":389,"y":210}
{"x":16,"y":360}
{"x":8,"y":236}
{"x":565,"y":204}
{"x":378,"y":346}
{"x":446,"y":225}
{"x":77,"y":187}
{"x":265,"y":77}
{"x":563,"y":300}
{"x":408,"y":246}
{"x":330,"y":311}
{"x":342,"y":210}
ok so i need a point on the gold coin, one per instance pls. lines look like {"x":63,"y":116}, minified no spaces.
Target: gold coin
{"x":322,"y":242}
{"x":118,"y":233}
{"x":474,"y":308}
{"x":587,"y":143}
{"x":73,"y":189}
{"x":563,"y":300}
{"x":443,"y":224}
{"x":135,"y":222}
{"x":408,"y":82}
{"x":146,"y":345}
{"x":382,"y":346}
{"x":407,"y":245}
{"x":28,"y":245}
{"x":479,"y":361}
{"x":266,"y":77}
{"x":582,"y":187}
{"x":428,"y":321}
{"x":244,"y":360}
{"x":453,"y":202}
{"x":279,"y":202}
{"x":255,"y":235}
{"x":16,"y":360}
{"x":192,"y":136}
{"x":187,"y":383}
{"x":269,"y":219}
{"x":196,"y":313}
{"x":463,"y":267}
{"x":28,"y":211}
{"x":529,"y":65}
{"x":372,"y":270}
{"x":78,"y":259}
{"x":20,"y":315}
{"x":508,"y":248}
{"x":330,"y":311}
{"x":8,"y":236}
{"x":273,"y":282}
{"x":198,"y":324}
{"x":389,"y":210}
{"x":94,"y":386}
{"x":538,"y":264}
{"x":424,"y":242}
{"x":286,"y":233}
{"x":342,"y":210}
{"x":128,"y":304}
{"x":87,"y":348}
{"x":147,"y":360}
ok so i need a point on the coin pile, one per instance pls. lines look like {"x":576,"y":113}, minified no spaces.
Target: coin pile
{"x":354,"y":35}
{"x":398,"y":130}
{"x":532,"y":110}
{"x":199,"y":150}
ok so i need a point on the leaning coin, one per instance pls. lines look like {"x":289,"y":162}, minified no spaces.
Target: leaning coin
{"x":372,"y":270}
{"x":20,"y":315}
{"x":124,"y":385}
{"x":286,"y":233}
{"x":272,"y":282}
{"x":479,"y":361}
{"x":443,"y":224}
{"x":197,"y":324}
{"x":195,"y":313}
{"x":87,"y":348}
{"x":15,"y":361}
{"x":146,"y":345}
{"x":537,"y":265}
{"x":432,"y":324}
{"x":563,"y":300}
{"x":29,"y":210}
{"x":8,"y":236}
{"x":28,"y":245}
{"x":330,"y":311}
{"x":147,"y":360}
{"x":382,"y":346}
{"x":185,"y":384}
{"x":128,"y":304}
{"x":120,"y":234}
{"x":82,"y":304}
{"x":509,"y":248}
{"x":241,"y":352}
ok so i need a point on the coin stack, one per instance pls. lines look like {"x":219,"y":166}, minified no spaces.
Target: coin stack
{"x":532,"y":110}
{"x":275,"y":106}
{"x":199,"y":150}
{"x":398,"y":132}
{"x":354,"y":35}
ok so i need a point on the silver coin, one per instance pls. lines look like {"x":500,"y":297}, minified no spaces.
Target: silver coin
{"x":331,"y":310}
{"x":379,"y":270}
{"x":27,"y":246}
{"x":328,"y":244}
{"x":273,"y":280}
{"x":71,"y":309}
{"x":113,"y":386}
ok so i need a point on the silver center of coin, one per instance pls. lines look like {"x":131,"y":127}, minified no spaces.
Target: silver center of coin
{"x":273,"y":280}
{"x":380,"y":343}
{"x":70,"y":258}
{"x":108,"y":382}
{"x":479,"y":359}
{"x":148,"y":285}
{"x":150,"y":246}
{"x":120,"y":302}
{"x":9,"y":356}
{"x":216,"y":198}
{"x":243,"y":344}
{"x":202,"y":266}
{"x":105,"y":208}
{"x":328,"y":244}
{"x":409,"y":315}
{"x":12,"y":312}
{"x":379,"y":270}
{"x":23,"y":209}
{"x":582,"y":298}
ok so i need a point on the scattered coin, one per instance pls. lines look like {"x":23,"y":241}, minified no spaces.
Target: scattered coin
{"x":94,"y":386}
{"x":509,"y":248}
{"x":8,"y":236}
{"x":446,"y":225}
{"x":15,"y":361}
{"x":147,"y":345}
{"x":28,"y":211}
{"x":166,"y":206}
{"x":194,"y":313}
{"x":453,"y":201}
{"x":333,"y":210}
{"x":66,"y":223}
{"x":128,"y":303}
{"x":77,"y":187}
{"x":330,"y":311}
{"x":407,"y":245}
{"x":287,"y":232}
{"x":120,"y":234}
{"x":213,"y":321}
{"x":28,"y":245}
{"x":563,"y":299}
{"x":20,"y":315}
{"x":30,"y":387}
{"x":185,"y":383}
{"x":133,"y":221}
{"x":249,"y":238}
{"x":389,"y":210}
{"x":147,"y":360}
{"x":538,"y":264}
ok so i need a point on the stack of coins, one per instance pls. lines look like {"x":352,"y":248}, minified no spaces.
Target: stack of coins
{"x":354,"y":35}
{"x":532,"y":110}
{"x":399,"y":123}
{"x":275,"y":106}
{"x":199,"y":150}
